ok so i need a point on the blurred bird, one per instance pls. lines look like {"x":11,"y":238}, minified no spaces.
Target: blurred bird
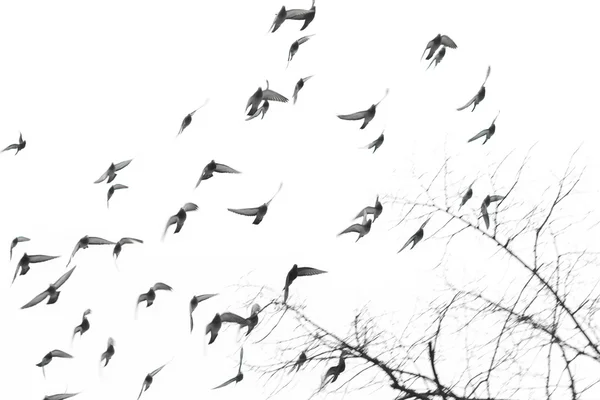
{"x":259,"y":211}
{"x":478,"y":98}
{"x":295,"y":46}
{"x":416,"y":238}
{"x":16,"y":241}
{"x":194,"y":303}
{"x":188,"y":118}
{"x":213,"y":327}
{"x":110,"y":172}
{"x":109,"y":353}
{"x":435,"y":43}
{"x":260,"y":95}
{"x":279,"y":19}
{"x":83,"y":326}
{"x":375,"y":211}
{"x":306,"y":15}
{"x":300,"y":85}
{"x":51,"y":292}
{"x":213,"y":167}
{"x":375,"y":144}
{"x":86,"y":241}
{"x":362,"y":229}
{"x":261,"y":110}
{"x":335,"y":371}
{"x":150,"y":295}
{"x":438,"y":57}
{"x":111,"y":191}
{"x":301,"y":360}
{"x":179,"y":218}
{"x":48,"y":357}
{"x":468,"y":194}
{"x":148,"y":380}
{"x":239,"y":375}
{"x":296,"y":272}
{"x":60,"y":396}
{"x":488,"y":133}
{"x":249,"y":322}
{"x":24,"y":262}
{"x":123,"y":242}
{"x":485,"y":204}
{"x":19,"y":146}
{"x":367,"y":115}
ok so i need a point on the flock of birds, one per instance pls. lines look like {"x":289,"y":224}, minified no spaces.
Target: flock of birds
{"x":258,"y":104}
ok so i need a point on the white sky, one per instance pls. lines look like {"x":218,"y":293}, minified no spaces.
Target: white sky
{"x":93,"y":83}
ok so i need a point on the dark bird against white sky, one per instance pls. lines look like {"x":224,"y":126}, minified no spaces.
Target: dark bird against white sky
{"x":52,"y":291}
{"x":111,"y":171}
{"x":478,"y":98}
{"x":18,"y":146}
{"x":367,"y":115}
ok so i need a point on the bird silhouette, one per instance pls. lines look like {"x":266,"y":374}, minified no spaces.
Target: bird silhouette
{"x":249,"y":322}
{"x":336,"y":370}
{"x":478,"y":98}
{"x":150,"y":295}
{"x":435,"y":43}
{"x":18,"y":146}
{"x":148,"y":380}
{"x":49,"y":356}
{"x":26,"y":259}
{"x":260,"y":95}
{"x":111,"y":171}
{"x":300,"y":362}
{"x":279,"y":19}
{"x":488,"y":133}
{"x":367,"y":115}
{"x":373,"y":210}
{"x":295,"y":46}
{"x":438,"y":57}
{"x":60,"y":396}
{"x":194,"y":303}
{"x":259,"y":212}
{"x":300,"y":85}
{"x":375,"y":144}
{"x":362,"y":229}
{"x":86,"y":241}
{"x":484,"y":208}
{"x":119,"y":245}
{"x":84,"y":326}
{"x":213,"y":167}
{"x":188,"y":119}
{"x":261,"y":110}
{"x":416,"y":238}
{"x":179,"y":218}
{"x":111,"y":191}
{"x":109,"y":353}
{"x":468,"y":194}
{"x":302,"y":15}
{"x":52,"y":291}
{"x":239,"y":375}
{"x":16,"y":241}
{"x":213,"y":327}
{"x":294,"y":273}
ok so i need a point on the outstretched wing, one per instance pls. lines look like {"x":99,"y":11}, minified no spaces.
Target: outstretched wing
{"x":234,"y":318}
{"x":358,"y":228}
{"x":225,"y":383}
{"x":297,"y":14}
{"x":487,"y":75}
{"x":203,"y":297}
{"x":157,"y":370}
{"x":353,"y":117}
{"x":41,"y":258}
{"x":222,"y":168}
{"x":307,"y":271}
{"x":122,"y":164}
{"x":484,"y":132}
{"x":446,"y":41}
{"x":245,"y":211}
{"x":37,"y":299}
{"x":103,"y":177}
{"x":97,"y":240}
{"x":60,"y":396}
{"x":64,"y":278}
{"x":468,"y":104}
{"x":128,"y":240}
{"x":412,"y":238}
{"x":60,"y":353}
{"x":486,"y":217}
{"x":368,"y":210}
{"x":276,"y":193}
{"x":162,"y":286}
{"x":118,"y":186}
{"x":304,"y":39}
{"x":273,"y":96}
{"x":190,"y":207}
{"x":495,"y":198}
{"x":171,"y":221}
{"x":241,"y":358}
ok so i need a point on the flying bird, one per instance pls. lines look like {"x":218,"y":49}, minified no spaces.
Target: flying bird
{"x":111,"y":191}
{"x":16,"y":241}
{"x":150,"y":295}
{"x":362,"y":229}
{"x":213,"y":327}
{"x":336,"y":370}
{"x":60,"y":396}
{"x":179,"y":218}
{"x":375,"y":144}
{"x":438,"y":57}
{"x":24,"y":262}
{"x":260,"y":95}
{"x":109,"y":353}
{"x":51,"y":292}
{"x":249,"y":322}
{"x":435,"y":43}
{"x":279,"y":19}
{"x":374,"y":210}
{"x":239,"y":375}
{"x":367,"y":115}
{"x":259,"y":211}
{"x":148,"y":380}
{"x":478,"y":98}
{"x":48,"y":357}
{"x":300,"y":85}
{"x":84,"y":326}
{"x":302,"y":15}
{"x":468,"y":194}
{"x":488,"y":133}
{"x":295,"y":46}
{"x":194,"y":303}
{"x":261,"y":110}
{"x":188,"y":118}
{"x":18,"y":146}
{"x":213,"y":167}
{"x":296,"y":272}
{"x":110,"y":172}
{"x":484,"y":206}
{"x":123,"y":242}
{"x":416,"y":238}
{"x":86,"y":241}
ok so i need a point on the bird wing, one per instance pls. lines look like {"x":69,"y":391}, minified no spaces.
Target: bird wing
{"x":190,"y":207}
{"x":484,"y":132}
{"x":10,"y":147}
{"x":495,"y":198}
{"x":412,"y":238}
{"x":16,"y":273}
{"x":225,"y":383}
{"x":468,"y":104}
{"x":487,"y":75}
{"x":122,"y":164}
{"x":128,"y":240}
{"x":245,"y":211}
{"x":142,"y":297}
{"x":358,"y":228}
{"x":368,"y":210}
{"x":486,"y":217}
{"x":37,"y":299}
{"x":234,"y":318}
{"x":307,"y":271}
{"x":203,"y":297}
{"x":171,"y":221}
{"x":161,"y":286}
{"x":446,"y":41}
{"x":497,"y":115}
{"x":157,"y":370}
{"x":41,"y":258}
{"x":60,"y":353}
{"x":119,"y":186}
{"x":273,"y":96}
{"x":222,"y":168}
{"x":304,"y":39}
{"x":102,"y":177}
{"x":64,"y":278}
{"x":241,"y":358}
{"x":22,"y":239}
{"x":276,"y":193}
{"x":297,"y":14}
{"x":429,"y":45}
{"x":97,"y":240}
{"x":60,"y":396}
{"x":353,"y":117}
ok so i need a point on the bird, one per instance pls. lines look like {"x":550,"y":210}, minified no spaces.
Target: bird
{"x":260,"y":95}
{"x":239,"y":375}
{"x":60,"y":396}
{"x":280,"y":18}
{"x":148,"y":380}
{"x":485,"y":204}
{"x":488,"y":133}
{"x":468,"y":194}
{"x":438,"y":57}
{"x":435,"y":43}
{"x":306,"y":15}
{"x":86,"y":241}
{"x":300,"y":362}
{"x":18,"y":146}
{"x":259,"y":211}
{"x":110,"y":172}
{"x":84,"y":326}
{"x":300,"y":85}
{"x":49,"y":356}
{"x":336,"y":370}
{"x":253,"y":318}
{"x":150,"y":295}
{"x":375,"y":210}
{"x":213,"y":327}
{"x":213,"y":167}
{"x":111,"y":191}
{"x":119,"y":245}
{"x":110,"y":351}
{"x":249,"y":322}
{"x":362,"y":229}
{"x":296,"y":272}
{"x":416,"y":238}
{"x":52,"y":291}
{"x":194,"y":303}
{"x":179,"y":218}
{"x":16,"y":241}
{"x":367,"y":115}
{"x":261,"y":110}
{"x":188,"y":118}
{"x":295,"y":46}
{"x":478,"y":98}
{"x":24,"y":262}
{"x":375,"y":144}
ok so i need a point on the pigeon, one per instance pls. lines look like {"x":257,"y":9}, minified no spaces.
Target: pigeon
{"x":110,"y":172}
{"x":148,"y":380}
{"x":485,"y":204}
{"x":213,"y":327}
{"x":376,"y":210}
{"x":306,"y":15}
{"x":48,"y":357}
{"x":362,"y":229}
{"x":259,"y":212}
{"x":300,"y":85}
{"x":52,"y":291}
{"x":16,"y":241}
{"x":60,"y":396}
{"x":260,"y":95}
{"x":301,"y":360}
{"x":179,"y":218}
{"x":375,"y":144}
{"x":150,"y":295}
{"x":249,"y":322}
{"x":18,"y":146}
{"x":194,"y":303}
{"x":296,"y":272}
{"x":335,"y":371}
{"x":261,"y":110}
{"x":435,"y":43}
{"x":468,"y":194}
{"x":488,"y":133}
{"x":213,"y":167}
{"x":295,"y":46}
{"x":367,"y":115}
{"x":110,"y":351}
{"x":86,"y":241}
{"x":112,"y":189}
{"x":83,"y":326}
{"x":478,"y":98}
{"x":280,"y":18}
{"x":24,"y":262}
{"x":123,"y":242}
{"x":416,"y":238}
{"x":438,"y":57}
{"x":239,"y":375}
{"x":188,"y":118}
